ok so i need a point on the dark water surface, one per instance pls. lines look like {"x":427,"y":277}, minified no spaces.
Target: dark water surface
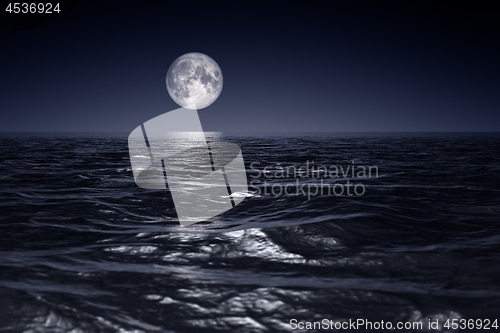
{"x":83,"y":249}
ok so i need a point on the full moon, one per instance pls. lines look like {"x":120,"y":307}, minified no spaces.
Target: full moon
{"x":194,"y":81}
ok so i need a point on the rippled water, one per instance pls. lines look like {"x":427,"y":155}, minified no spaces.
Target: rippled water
{"x":83,"y":249}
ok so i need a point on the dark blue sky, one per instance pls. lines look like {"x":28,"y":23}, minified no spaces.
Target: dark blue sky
{"x":289,"y":66}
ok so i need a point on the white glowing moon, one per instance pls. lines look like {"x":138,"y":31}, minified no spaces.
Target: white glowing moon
{"x":194,"y":81}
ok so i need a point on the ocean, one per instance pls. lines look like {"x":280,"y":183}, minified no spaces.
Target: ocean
{"x":336,"y":228}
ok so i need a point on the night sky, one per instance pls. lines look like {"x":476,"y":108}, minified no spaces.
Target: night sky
{"x":288,"y":66}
